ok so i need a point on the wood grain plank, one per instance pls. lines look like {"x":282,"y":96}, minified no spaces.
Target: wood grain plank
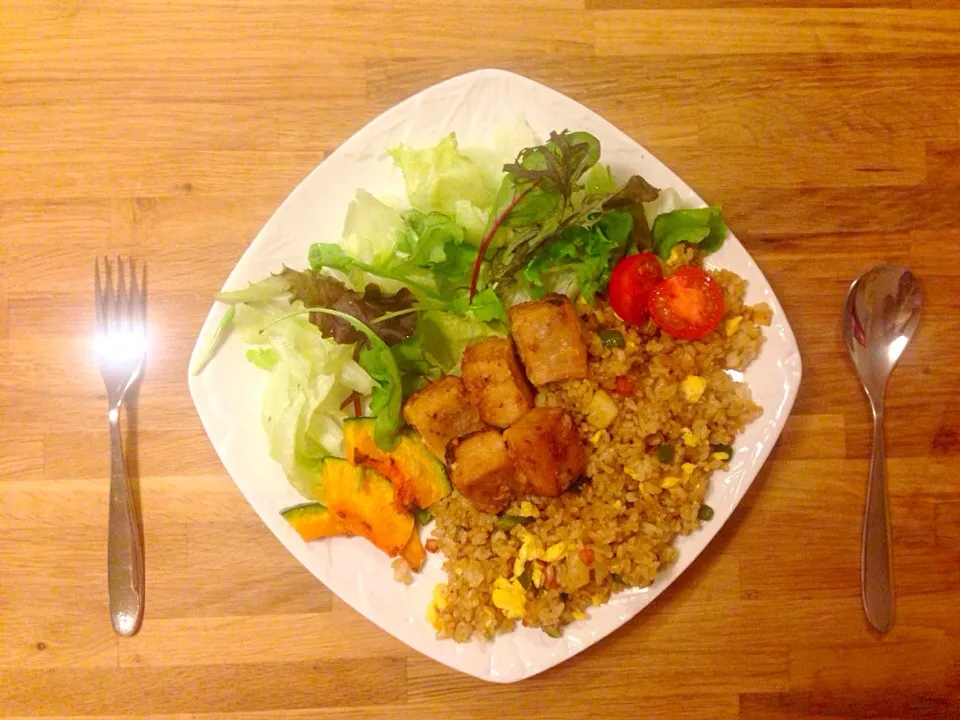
{"x":53,"y":615}
{"x":693,"y":706}
{"x":64,"y":456}
{"x":249,"y":574}
{"x":774,"y":706}
{"x":227,"y":687}
{"x":151,"y":126}
{"x":840,"y":116}
{"x":894,"y":667}
{"x":21,"y":459}
{"x":429,"y":682}
{"x":75,"y":174}
{"x":173,"y":35}
{"x":4,"y":317}
{"x":810,"y":164}
{"x":948,"y":527}
{"x":167,"y":498}
{"x":812,"y":437}
{"x":750,"y":4}
{"x":769,"y":30}
{"x":285,"y":637}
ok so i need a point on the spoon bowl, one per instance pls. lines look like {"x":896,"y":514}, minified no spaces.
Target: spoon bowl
{"x":880,"y":315}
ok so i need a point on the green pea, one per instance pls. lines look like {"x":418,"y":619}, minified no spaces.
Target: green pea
{"x":422,"y":516}
{"x":705,"y":512}
{"x":665,"y":453}
{"x":553,"y":632}
{"x":611,"y":338}
{"x":728,"y":449}
{"x":505,"y":522}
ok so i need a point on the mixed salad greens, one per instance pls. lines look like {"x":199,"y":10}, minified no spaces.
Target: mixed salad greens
{"x":395,"y":302}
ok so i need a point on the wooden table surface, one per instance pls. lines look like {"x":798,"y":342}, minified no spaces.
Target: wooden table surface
{"x":173,"y":130}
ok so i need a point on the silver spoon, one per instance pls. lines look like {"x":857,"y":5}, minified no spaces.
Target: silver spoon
{"x":880,"y":314}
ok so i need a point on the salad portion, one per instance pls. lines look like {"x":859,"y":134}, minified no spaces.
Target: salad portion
{"x":391,"y":308}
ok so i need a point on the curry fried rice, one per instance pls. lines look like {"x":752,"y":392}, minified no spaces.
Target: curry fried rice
{"x":657,"y":416}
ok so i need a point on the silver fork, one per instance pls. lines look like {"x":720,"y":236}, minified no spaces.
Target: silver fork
{"x":121,"y":348}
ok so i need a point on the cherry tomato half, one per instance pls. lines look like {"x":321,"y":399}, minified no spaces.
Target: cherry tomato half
{"x":688,"y":304}
{"x":631,"y":282}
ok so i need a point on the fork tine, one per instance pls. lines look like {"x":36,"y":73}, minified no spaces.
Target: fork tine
{"x":123,"y":302}
{"x":109,"y":309}
{"x":143,"y":298}
{"x":98,"y":295}
{"x":137,"y":299}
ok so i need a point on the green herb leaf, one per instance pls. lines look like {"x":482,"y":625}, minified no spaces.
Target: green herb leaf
{"x":599,"y":180}
{"x":444,"y":336}
{"x":442,"y":178}
{"x":387,"y":396}
{"x":264,"y":358}
{"x":332,"y":256}
{"x":702,"y":226}
{"x":219,"y":335}
{"x":579,"y":258}
{"x":534,"y":197}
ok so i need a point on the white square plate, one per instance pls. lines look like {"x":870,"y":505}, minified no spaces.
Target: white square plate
{"x":228,"y":392}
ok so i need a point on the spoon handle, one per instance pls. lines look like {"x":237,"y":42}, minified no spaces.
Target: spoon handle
{"x":876,"y":566}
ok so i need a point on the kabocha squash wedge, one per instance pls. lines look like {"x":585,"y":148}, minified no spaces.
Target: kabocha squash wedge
{"x":363,"y":501}
{"x":413,"y":551}
{"x":419,"y":478}
{"x":313,"y":521}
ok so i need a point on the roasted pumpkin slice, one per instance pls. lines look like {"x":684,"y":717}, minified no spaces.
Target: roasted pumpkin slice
{"x":363,"y":502}
{"x":413,"y":551}
{"x":313,"y":521}
{"x":419,"y":478}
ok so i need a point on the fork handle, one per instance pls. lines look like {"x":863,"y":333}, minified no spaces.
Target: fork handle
{"x":124,"y":543}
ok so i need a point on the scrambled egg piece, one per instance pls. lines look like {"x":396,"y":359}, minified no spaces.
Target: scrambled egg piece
{"x":596,"y":600}
{"x":537,"y":575}
{"x":731,"y":325}
{"x":690,"y":438}
{"x":595,"y":438}
{"x":531,"y":548}
{"x":579,"y":615}
{"x":721,"y":456}
{"x":688,"y":468}
{"x":518,"y":566}
{"x":693,"y":387}
{"x":528,"y":509}
{"x":674,"y":255}
{"x":510,"y":597}
{"x":555,"y":552}
{"x":669,"y":482}
{"x":439,"y":602}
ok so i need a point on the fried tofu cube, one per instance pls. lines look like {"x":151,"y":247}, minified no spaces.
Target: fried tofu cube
{"x":547,"y":450}
{"x":481,"y":469}
{"x":440,"y":412}
{"x":547,"y":333}
{"x":495,"y":381}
